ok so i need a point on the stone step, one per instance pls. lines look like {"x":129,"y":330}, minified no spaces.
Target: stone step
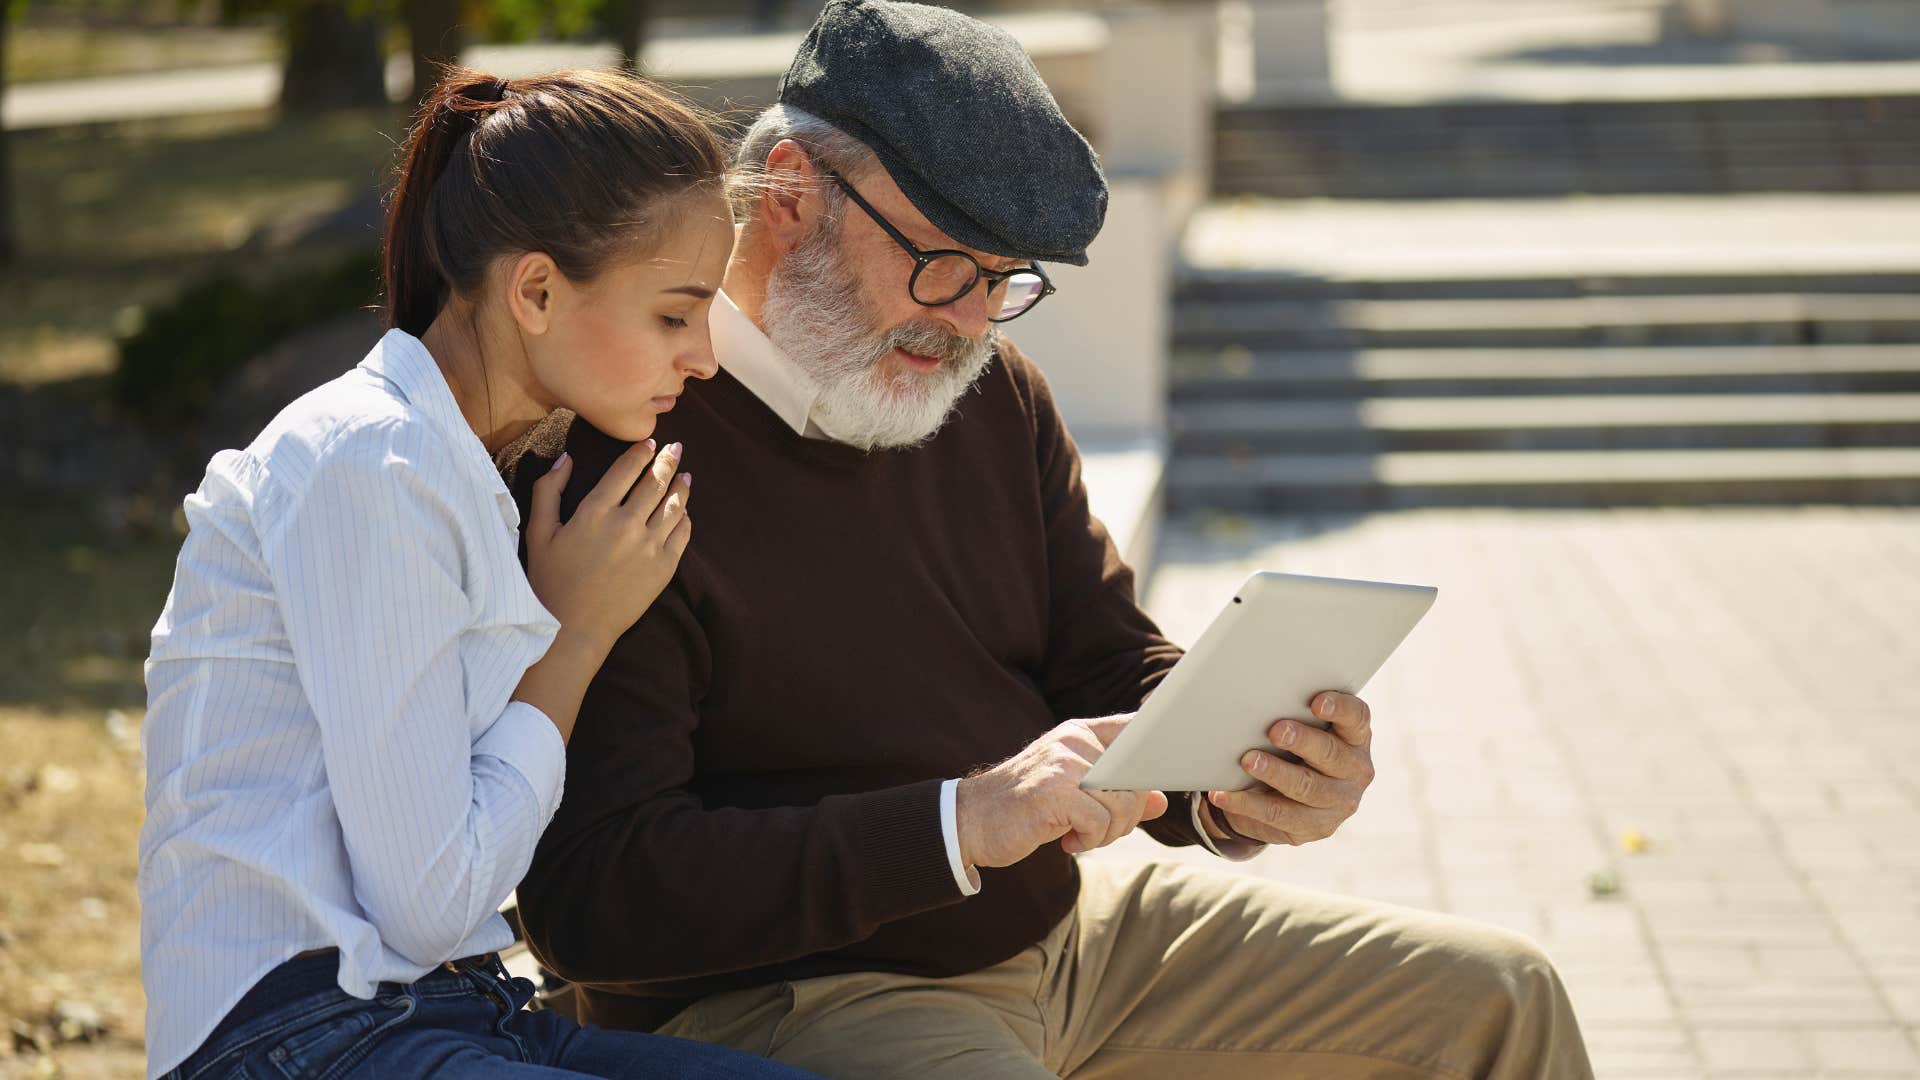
{"x":1762,"y":319}
{"x":1496,"y":149}
{"x":1239,"y":373}
{"x":1576,"y":422}
{"x":1290,"y":482}
{"x":1212,"y":284}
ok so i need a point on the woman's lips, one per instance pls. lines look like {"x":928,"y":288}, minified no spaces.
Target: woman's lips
{"x":664,"y":404}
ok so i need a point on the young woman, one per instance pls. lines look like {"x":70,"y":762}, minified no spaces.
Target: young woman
{"x":358,"y":702}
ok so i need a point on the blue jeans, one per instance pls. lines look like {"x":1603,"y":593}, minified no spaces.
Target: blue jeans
{"x":472,"y":1021}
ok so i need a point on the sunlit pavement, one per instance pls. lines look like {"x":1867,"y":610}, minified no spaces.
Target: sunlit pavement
{"x":1680,"y":748}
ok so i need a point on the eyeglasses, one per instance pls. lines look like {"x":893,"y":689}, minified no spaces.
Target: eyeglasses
{"x":943,"y":277}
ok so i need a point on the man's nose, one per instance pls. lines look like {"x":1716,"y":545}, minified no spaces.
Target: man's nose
{"x":968,"y":315}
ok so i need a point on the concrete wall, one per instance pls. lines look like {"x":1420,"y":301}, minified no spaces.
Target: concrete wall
{"x":1275,"y":51}
{"x":1102,"y":340}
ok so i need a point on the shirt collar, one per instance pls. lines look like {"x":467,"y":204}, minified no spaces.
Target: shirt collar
{"x":751,"y":357}
{"x":403,"y":360}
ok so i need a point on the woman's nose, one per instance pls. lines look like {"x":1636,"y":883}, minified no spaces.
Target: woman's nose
{"x":700,"y":363}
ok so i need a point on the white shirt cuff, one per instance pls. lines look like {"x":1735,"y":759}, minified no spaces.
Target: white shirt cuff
{"x":525,"y":739}
{"x":966,"y":877}
{"x":1198,"y":812}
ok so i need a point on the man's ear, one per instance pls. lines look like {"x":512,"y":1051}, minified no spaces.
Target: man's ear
{"x":531,"y":282}
{"x":790,"y":201}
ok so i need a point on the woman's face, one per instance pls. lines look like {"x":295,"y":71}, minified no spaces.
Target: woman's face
{"x":620,"y":348}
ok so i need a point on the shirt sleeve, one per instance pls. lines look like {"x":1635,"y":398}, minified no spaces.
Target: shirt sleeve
{"x":965,"y":877}
{"x":368,"y":564}
{"x":1235,"y":849}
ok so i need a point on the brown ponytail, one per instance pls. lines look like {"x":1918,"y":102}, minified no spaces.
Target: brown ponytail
{"x":577,"y":164}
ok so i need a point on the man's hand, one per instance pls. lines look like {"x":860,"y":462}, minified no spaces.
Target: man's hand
{"x":1034,"y":797}
{"x":1298,"y":804}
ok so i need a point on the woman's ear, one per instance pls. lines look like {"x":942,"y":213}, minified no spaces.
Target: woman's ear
{"x":532,"y":281}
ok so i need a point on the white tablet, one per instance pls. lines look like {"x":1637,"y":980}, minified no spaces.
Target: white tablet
{"x":1282,"y":639}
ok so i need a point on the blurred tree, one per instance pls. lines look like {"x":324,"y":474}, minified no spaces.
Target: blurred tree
{"x":335,"y":58}
{"x":435,"y":36}
{"x":625,"y":21}
{"x":9,"y":10}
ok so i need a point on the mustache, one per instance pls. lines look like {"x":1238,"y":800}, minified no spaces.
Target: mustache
{"x":925,"y":339}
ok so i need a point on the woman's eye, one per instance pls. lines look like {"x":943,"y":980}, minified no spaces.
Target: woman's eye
{"x":673,"y":323}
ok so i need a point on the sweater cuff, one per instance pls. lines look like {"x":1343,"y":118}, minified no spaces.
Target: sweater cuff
{"x":898,"y":837}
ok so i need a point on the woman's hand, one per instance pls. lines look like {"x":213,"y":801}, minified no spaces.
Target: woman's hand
{"x":599,"y":572}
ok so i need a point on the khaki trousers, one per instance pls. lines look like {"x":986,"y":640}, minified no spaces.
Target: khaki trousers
{"x":1169,"y":971}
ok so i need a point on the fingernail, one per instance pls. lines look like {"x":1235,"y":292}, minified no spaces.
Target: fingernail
{"x":650,"y":446}
{"x":674,"y":449}
{"x":688,"y":477}
{"x":1217,"y":798}
{"x":1254,"y":762}
{"x":1288,"y":734}
{"x":557,"y":462}
{"x":1326,"y":708}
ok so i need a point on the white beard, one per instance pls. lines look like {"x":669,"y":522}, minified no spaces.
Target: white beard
{"x":813,"y":314}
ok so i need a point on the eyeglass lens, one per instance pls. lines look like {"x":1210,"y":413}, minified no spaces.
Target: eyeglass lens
{"x":947,"y":278}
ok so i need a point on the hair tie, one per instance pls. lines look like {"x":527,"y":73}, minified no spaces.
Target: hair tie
{"x":489,"y":92}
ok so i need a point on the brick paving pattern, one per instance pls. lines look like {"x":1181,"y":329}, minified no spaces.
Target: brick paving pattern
{"x":1738,"y":688}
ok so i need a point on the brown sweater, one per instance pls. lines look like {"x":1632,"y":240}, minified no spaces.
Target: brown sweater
{"x":753,"y":786}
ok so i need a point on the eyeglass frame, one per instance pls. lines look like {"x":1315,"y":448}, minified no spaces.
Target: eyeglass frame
{"x":922,"y":259}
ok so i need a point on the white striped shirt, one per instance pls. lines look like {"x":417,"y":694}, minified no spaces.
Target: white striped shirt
{"x":332,"y":756}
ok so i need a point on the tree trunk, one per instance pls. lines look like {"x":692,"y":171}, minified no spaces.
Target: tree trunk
{"x":334,"y":59}
{"x":6,"y":159}
{"x":435,"y":38}
{"x":627,"y":20}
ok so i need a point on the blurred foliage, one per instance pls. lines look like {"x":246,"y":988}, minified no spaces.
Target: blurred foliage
{"x":80,"y":600}
{"x":492,"y":20}
{"x":173,"y":365}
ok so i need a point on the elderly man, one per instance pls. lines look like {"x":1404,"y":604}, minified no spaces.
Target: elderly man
{"x":822,"y":801}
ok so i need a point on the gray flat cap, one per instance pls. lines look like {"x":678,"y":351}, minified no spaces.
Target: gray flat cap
{"x":962,"y":122}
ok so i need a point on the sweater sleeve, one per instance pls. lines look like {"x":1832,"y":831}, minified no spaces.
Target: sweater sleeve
{"x":637,"y":881}
{"x":1104,"y":654}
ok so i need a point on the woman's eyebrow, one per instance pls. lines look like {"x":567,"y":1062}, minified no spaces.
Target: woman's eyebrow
{"x":700,"y":292}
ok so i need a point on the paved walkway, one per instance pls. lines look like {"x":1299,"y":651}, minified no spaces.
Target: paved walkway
{"x":1740,"y":688}
{"x":1411,"y":51}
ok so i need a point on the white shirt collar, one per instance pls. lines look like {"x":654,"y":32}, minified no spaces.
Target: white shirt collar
{"x":751,"y":357}
{"x":403,"y":360}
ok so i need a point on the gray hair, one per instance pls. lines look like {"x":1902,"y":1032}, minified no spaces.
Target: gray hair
{"x":827,"y":145}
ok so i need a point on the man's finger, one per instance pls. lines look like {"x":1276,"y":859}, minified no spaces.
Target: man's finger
{"x":1265,"y":816}
{"x":1350,"y":716}
{"x":1087,"y":821}
{"x":1320,"y":749}
{"x":1296,"y":782}
{"x":1123,"y":809}
{"x":543,"y":517}
{"x":1107,"y":728}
